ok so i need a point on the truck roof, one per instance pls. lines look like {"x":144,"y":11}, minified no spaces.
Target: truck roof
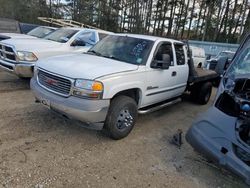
{"x":88,"y":29}
{"x":148,"y":37}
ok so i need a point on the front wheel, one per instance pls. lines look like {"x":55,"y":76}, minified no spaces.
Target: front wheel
{"x":121,"y":117}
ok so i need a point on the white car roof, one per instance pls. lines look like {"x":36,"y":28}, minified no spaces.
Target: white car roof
{"x":227,"y":51}
{"x":87,"y":29}
{"x":148,"y":37}
{"x":47,"y":27}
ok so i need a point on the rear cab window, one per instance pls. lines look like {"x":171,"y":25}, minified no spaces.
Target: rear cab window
{"x":180,"y":54}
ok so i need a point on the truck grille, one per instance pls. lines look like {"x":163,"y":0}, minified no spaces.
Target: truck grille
{"x":57,"y":84}
{"x":7,"y":53}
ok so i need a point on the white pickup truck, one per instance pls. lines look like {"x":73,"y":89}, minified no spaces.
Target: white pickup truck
{"x":19,"y":55}
{"x":38,"y":32}
{"x":119,"y":77}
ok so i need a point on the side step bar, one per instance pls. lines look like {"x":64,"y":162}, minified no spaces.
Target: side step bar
{"x":155,"y":108}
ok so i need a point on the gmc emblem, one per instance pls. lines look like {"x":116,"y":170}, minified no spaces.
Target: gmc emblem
{"x":51,"y":81}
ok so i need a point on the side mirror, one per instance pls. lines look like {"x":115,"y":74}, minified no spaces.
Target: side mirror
{"x":78,"y":43}
{"x":165,"y":63}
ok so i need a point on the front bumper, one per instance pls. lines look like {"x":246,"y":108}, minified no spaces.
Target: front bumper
{"x":20,"y":69}
{"x":91,"y":112}
{"x":216,"y":143}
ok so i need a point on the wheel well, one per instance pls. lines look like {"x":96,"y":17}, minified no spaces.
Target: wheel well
{"x":133,"y":93}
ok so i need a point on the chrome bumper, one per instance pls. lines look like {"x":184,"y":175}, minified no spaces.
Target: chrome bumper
{"x":20,"y":69}
{"x":91,"y":112}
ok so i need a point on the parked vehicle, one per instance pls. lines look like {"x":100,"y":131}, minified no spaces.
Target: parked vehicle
{"x":19,"y":56}
{"x":198,"y":55}
{"x":222,"y":134}
{"x":38,"y":32}
{"x":27,"y":27}
{"x":222,"y":57}
{"x":119,"y":77}
{"x":219,"y":64}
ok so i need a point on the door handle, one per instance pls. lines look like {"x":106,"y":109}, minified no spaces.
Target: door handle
{"x":174,"y":73}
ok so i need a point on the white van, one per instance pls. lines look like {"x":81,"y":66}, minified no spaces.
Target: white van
{"x":198,"y":55}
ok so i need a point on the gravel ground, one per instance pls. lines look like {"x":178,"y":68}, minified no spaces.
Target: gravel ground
{"x":40,"y":149}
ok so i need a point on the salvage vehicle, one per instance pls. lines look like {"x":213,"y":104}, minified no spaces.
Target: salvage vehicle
{"x":222,"y":134}
{"x":220,"y":59}
{"x":121,"y":76}
{"x":198,"y":55}
{"x":38,"y":32}
{"x":19,"y":56}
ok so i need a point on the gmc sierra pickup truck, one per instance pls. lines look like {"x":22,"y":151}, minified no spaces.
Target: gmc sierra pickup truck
{"x":121,"y":76}
{"x":19,"y":56}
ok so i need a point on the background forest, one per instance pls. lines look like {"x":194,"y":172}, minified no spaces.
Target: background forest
{"x":218,"y":20}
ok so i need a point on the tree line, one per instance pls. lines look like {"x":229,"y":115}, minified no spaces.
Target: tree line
{"x":217,"y":20}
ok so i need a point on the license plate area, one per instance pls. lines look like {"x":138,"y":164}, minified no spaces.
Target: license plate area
{"x":45,"y":102}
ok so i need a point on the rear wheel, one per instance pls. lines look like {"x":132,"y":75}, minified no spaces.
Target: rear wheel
{"x":121,"y":117}
{"x":199,"y":65}
{"x":201,"y":93}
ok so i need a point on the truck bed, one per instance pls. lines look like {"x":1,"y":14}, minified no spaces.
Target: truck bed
{"x":202,"y":75}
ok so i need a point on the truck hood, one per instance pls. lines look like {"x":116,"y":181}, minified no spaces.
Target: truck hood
{"x":15,"y":35}
{"x":31,"y":44}
{"x":84,"y":66}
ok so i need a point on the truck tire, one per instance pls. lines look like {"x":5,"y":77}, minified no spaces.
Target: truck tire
{"x":201,"y":93}
{"x":204,"y":93}
{"x":194,"y":93}
{"x":121,"y":117}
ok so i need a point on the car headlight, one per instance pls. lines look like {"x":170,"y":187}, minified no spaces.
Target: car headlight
{"x":26,"y":56}
{"x":88,"y":88}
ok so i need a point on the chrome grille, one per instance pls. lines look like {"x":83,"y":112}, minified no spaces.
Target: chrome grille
{"x":54,"y":83}
{"x":7,"y":53}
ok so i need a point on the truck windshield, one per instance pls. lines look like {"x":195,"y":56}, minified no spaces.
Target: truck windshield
{"x":123,"y":48}
{"x":40,"y":32}
{"x":61,"y":35}
{"x":241,"y":63}
{"x":230,"y":55}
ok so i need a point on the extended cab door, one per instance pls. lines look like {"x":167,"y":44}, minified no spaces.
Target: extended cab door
{"x":182,"y":69}
{"x":161,"y":84}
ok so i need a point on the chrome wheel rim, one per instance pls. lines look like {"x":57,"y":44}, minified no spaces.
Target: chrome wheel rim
{"x":124,"y":119}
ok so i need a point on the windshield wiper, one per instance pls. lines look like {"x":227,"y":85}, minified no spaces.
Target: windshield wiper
{"x":50,"y":39}
{"x":94,"y":52}
{"x":111,"y":57}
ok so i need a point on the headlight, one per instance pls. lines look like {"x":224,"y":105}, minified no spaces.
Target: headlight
{"x":26,"y":56}
{"x":88,"y":89}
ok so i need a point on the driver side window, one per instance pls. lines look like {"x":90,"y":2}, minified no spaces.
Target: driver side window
{"x":88,"y":37}
{"x":165,"y":48}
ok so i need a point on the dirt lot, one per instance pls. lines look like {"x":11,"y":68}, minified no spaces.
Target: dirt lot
{"x":40,"y":149}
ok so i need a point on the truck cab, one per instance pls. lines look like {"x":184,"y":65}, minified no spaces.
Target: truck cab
{"x":19,"y":55}
{"x":121,"y":76}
